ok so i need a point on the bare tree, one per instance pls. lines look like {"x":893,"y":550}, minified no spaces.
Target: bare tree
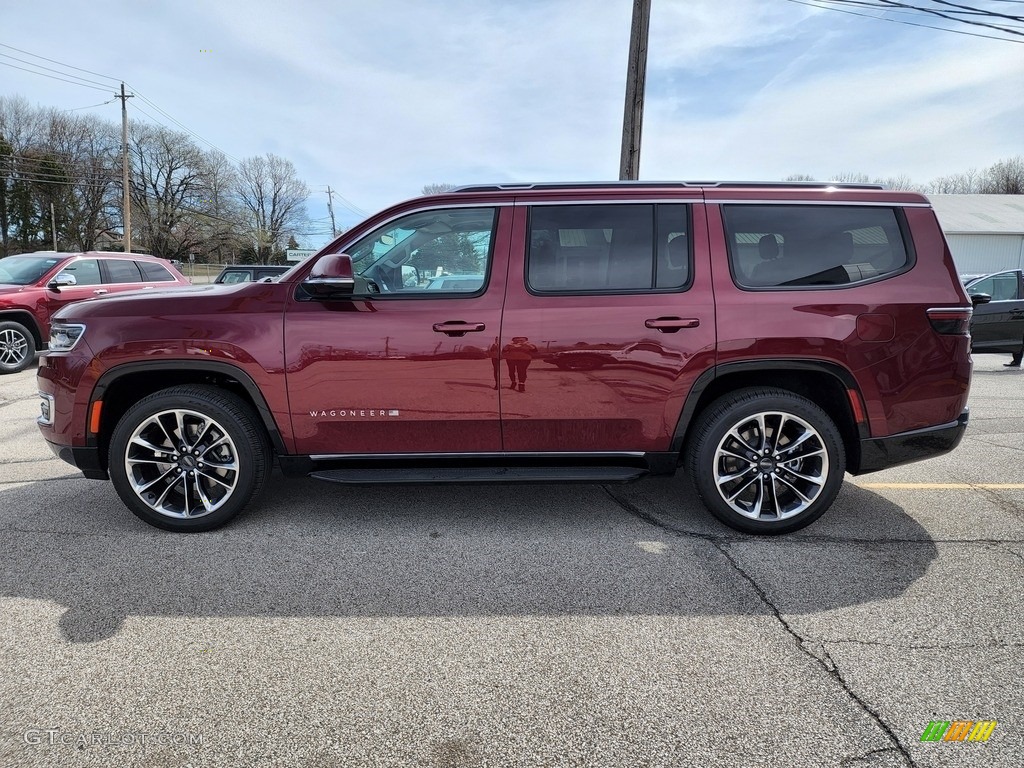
{"x":437,"y":188}
{"x":86,"y":149}
{"x":1005,"y":177}
{"x":967,"y":183}
{"x":274,"y":199}
{"x":168,"y":190}
{"x":899,"y":183}
{"x":223,"y":221}
{"x":799,"y":177}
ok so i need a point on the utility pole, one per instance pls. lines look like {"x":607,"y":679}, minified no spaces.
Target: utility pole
{"x":636,"y":76}
{"x":330,"y":207}
{"x":126,"y":209}
{"x":53,"y":225}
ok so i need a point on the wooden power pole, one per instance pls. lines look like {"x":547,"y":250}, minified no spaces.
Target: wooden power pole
{"x":330,"y":208}
{"x":636,"y":75}
{"x":126,"y":210}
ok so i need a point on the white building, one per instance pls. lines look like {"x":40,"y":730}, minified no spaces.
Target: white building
{"x":985,"y":232}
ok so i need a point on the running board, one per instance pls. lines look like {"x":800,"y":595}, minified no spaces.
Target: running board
{"x":435,"y":475}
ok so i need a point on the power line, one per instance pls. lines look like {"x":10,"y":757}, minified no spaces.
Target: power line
{"x":50,"y":69}
{"x":182,"y":126}
{"x":53,"y":61}
{"x":93,"y":106}
{"x":52,"y":77}
{"x":885,"y":6}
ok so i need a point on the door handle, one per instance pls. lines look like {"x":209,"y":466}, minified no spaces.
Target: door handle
{"x":458,"y":328}
{"x":100,"y":291}
{"x":671,"y":324}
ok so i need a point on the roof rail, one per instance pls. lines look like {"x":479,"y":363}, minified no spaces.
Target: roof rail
{"x":514,"y":186}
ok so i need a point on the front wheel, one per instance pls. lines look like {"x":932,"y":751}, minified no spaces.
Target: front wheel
{"x":188,"y":458}
{"x":766,"y":461}
{"x":17,"y":347}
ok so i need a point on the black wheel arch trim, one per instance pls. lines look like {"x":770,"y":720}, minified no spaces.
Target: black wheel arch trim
{"x":20,"y":316}
{"x":747,"y":366}
{"x":211,"y":366}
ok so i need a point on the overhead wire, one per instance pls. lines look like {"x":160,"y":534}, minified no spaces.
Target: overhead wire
{"x":844,"y":6}
{"x":52,"y":77}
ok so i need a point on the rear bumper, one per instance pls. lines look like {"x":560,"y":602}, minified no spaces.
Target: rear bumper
{"x":883,"y":452}
{"x":86,"y":459}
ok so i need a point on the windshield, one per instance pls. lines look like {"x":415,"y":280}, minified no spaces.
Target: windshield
{"x":23,"y":270}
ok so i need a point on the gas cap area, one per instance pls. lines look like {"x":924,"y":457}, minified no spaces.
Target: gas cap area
{"x":874,"y":326}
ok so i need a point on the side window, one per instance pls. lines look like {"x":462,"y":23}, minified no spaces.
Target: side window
{"x":237,"y":277}
{"x":775,"y":246}
{"x":608,"y":248}
{"x":86,"y":271}
{"x":122,"y":271}
{"x":1001,"y":287}
{"x":428,"y":253}
{"x":154,"y":273}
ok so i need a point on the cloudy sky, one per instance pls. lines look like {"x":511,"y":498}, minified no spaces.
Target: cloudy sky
{"x":378,"y":97}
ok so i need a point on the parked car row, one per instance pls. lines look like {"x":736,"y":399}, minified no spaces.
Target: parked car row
{"x":33,"y":286}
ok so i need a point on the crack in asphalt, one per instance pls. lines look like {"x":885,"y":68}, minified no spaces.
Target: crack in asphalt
{"x":823,"y":661}
{"x":923,"y":646}
{"x":1009,"y":551}
{"x":1003,"y":503}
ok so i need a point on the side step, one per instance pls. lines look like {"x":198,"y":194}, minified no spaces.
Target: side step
{"x":434,"y":475}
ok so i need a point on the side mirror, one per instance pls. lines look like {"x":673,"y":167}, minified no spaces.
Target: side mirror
{"x":410,"y":276}
{"x":62,"y":280}
{"x":980,"y":298}
{"x":331,"y":277}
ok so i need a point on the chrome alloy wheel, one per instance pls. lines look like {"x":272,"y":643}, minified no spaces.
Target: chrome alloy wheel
{"x":771,"y":466}
{"x":181,"y":464}
{"x":13,"y":347}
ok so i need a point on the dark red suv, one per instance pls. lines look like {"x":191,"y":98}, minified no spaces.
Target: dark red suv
{"x":769,"y":337}
{"x":35,"y":285}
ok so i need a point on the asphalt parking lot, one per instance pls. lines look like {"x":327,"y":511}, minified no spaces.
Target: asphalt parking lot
{"x":516,"y":626}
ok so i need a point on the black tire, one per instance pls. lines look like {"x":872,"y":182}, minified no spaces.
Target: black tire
{"x":781,"y":492}
{"x":228,"y":455}
{"x":17,"y":347}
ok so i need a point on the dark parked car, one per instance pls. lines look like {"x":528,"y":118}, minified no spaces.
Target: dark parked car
{"x":998,"y":324}
{"x":766,"y":338}
{"x":249,"y":273}
{"x":35,"y":285}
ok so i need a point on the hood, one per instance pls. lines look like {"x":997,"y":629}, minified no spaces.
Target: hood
{"x":170,"y":301}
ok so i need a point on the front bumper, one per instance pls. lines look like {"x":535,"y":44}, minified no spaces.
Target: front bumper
{"x":86,"y":459}
{"x":883,"y":452}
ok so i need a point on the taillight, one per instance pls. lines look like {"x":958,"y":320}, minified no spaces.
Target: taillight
{"x":951,"y":321}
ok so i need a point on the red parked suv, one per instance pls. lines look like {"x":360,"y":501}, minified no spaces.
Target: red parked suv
{"x":35,"y":285}
{"x":768,"y":337}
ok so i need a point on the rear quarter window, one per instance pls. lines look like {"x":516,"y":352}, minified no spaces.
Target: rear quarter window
{"x":122,"y":271}
{"x":803,"y":246}
{"x":154,"y":273}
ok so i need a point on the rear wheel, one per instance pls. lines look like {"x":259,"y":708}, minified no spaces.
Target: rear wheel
{"x":188,"y":458}
{"x":17,"y":347}
{"x":766,"y":461}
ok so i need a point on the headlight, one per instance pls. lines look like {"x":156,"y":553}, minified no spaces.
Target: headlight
{"x":63,"y":337}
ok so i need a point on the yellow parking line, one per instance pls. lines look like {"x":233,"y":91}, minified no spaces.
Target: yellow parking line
{"x":942,"y":486}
